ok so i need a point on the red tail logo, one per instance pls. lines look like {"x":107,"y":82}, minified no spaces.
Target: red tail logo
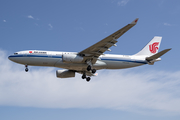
{"x":153,"y":47}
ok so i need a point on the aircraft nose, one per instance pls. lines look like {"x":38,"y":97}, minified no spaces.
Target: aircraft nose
{"x":11,"y":58}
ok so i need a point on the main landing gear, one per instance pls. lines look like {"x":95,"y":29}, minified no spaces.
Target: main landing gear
{"x":87,"y":78}
{"x":92,"y":70}
{"x":26,"y":69}
{"x":89,"y":68}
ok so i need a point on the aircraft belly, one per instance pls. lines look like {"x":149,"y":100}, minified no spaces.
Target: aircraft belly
{"x":44,"y":61}
{"x":71,"y":66}
{"x":79,"y":66}
{"x":120,"y":64}
{"x":100,"y":65}
{"x":37,"y":61}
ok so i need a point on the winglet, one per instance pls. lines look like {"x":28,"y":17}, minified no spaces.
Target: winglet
{"x":135,"y":21}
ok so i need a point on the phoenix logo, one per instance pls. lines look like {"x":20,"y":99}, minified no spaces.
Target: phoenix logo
{"x":153,"y":47}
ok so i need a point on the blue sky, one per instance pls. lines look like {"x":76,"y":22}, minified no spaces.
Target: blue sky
{"x":146,"y":92}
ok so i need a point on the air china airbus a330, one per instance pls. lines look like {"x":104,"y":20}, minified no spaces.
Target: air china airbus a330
{"x":93,"y":58}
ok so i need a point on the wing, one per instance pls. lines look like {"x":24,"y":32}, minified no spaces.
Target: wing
{"x":94,"y":51}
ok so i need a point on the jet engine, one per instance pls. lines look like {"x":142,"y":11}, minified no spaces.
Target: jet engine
{"x":65,"y":73}
{"x":72,"y":58}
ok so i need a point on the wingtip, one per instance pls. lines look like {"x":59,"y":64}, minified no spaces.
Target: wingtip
{"x":169,"y":49}
{"x":135,"y":21}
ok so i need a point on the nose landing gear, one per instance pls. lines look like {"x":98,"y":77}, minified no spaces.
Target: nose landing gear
{"x":26,"y":69}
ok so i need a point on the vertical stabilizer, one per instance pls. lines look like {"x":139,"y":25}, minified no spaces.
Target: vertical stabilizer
{"x":152,"y":47}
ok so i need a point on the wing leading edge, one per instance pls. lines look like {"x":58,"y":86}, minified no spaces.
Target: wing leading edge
{"x":94,"y":51}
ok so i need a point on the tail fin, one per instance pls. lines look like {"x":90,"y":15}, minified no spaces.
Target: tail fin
{"x":151,"y":48}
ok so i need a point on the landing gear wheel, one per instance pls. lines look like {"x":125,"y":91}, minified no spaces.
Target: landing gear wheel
{"x":88,"y":68}
{"x":93,"y":71}
{"x":88,"y":79}
{"x":26,"y":69}
{"x":83,"y":77}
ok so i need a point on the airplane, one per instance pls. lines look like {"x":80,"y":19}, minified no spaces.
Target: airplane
{"x":93,"y":58}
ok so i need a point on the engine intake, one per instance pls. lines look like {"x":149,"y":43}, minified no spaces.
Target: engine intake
{"x":65,"y":73}
{"x":72,"y":58}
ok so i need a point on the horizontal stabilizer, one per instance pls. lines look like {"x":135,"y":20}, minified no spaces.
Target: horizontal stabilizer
{"x":157,"y":55}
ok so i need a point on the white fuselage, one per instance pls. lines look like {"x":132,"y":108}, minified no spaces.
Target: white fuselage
{"x":55,"y":59}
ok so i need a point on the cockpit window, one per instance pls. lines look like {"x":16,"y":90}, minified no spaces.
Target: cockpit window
{"x":15,"y":53}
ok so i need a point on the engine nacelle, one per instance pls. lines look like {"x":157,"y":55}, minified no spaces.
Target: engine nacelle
{"x":65,"y":73}
{"x":72,"y":58}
